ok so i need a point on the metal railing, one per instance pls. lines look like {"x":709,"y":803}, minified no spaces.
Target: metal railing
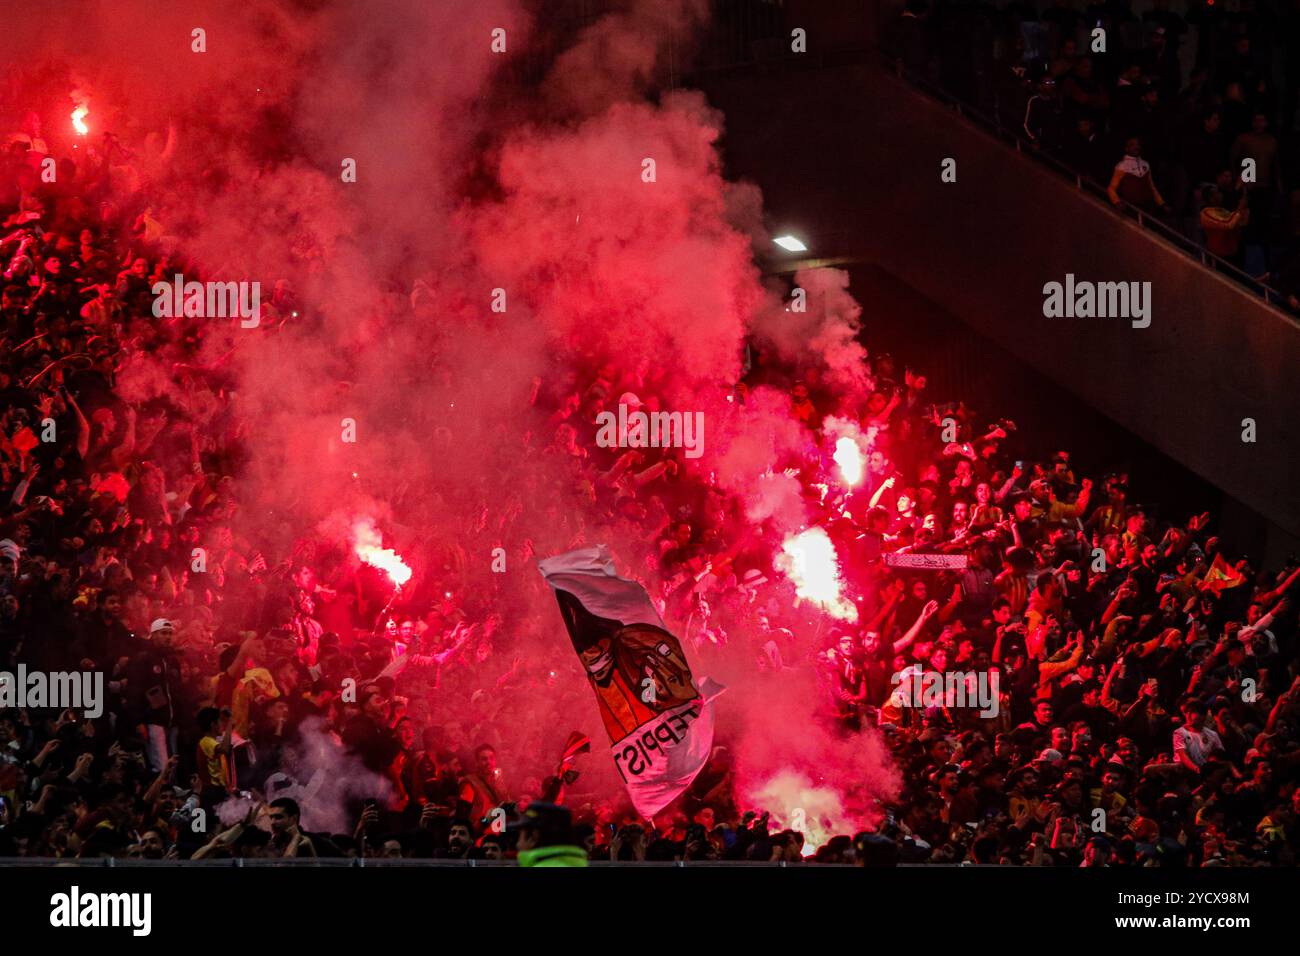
{"x":852,"y":56}
{"x":1094,"y":190}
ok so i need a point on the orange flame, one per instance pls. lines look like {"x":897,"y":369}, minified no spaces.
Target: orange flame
{"x":367,"y":548}
{"x":848,"y":456}
{"x":809,"y":560}
{"x":795,"y":802}
{"x":78,"y":120}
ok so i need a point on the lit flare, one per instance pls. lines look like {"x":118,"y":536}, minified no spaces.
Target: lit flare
{"x":848,"y":456}
{"x":367,"y":545}
{"x":809,"y":560}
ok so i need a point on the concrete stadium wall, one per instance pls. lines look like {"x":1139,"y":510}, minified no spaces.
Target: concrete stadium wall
{"x":852,"y":155}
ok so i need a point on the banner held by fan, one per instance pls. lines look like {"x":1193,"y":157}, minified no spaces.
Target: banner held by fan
{"x":660,"y":722}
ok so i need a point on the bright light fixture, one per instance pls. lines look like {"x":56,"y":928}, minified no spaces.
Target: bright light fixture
{"x":790,"y":243}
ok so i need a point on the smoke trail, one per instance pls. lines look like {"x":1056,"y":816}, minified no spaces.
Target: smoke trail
{"x":320,"y":777}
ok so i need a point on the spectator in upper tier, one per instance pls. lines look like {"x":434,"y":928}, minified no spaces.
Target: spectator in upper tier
{"x":1226,"y":111}
{"x":1043,"y":123}
{"x":1223,"y":227}
{"x":1132,"y":182}
{"x":1083,"y":93}
{"x":1256,"y":153}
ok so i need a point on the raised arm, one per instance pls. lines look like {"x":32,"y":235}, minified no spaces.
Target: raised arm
{"x":83,"y":426}
{"x":884,"y":486}
{"x":906,"y":640}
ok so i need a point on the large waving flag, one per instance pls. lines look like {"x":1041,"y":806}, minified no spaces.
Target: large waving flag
{"x":660,"y":723}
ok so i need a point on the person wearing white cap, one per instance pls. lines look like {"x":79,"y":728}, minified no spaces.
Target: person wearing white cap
{"x":751,"y":584}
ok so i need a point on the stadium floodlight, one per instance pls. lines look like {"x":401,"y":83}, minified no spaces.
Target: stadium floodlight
{"x":790,"y":243}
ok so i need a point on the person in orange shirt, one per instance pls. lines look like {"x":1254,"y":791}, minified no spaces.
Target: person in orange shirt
{"x":1223,"y":227}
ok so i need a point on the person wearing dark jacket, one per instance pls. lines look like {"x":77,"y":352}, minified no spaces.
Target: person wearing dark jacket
{"x":153,"y":681}
{"x":368,"y":736}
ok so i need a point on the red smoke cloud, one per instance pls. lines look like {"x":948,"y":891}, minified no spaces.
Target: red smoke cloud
{"x":471,"y":177}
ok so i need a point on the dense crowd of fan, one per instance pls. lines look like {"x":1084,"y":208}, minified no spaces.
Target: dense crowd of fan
{"x":1140,"y":672}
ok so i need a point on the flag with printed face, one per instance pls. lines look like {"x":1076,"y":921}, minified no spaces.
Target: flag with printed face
{"x":1221,"y":576}
{"x":659,"y":721}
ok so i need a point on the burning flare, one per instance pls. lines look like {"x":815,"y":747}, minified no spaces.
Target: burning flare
{"x":796,"y":803}
{"x":848,"y":456}
{"x":366,"y":544}
{"x":809,"y":560}
{"x":78,"y":120}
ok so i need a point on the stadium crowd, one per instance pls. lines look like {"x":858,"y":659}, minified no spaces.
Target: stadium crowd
{"x":1140,"y":671}
{"x":1160,"y":103}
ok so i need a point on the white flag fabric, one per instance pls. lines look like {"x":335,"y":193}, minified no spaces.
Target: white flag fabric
{"x":659,"y":721}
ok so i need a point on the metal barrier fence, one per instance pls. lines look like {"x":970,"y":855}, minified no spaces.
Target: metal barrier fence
{"x":1174,"y":237}
{"x":992,"y":125}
